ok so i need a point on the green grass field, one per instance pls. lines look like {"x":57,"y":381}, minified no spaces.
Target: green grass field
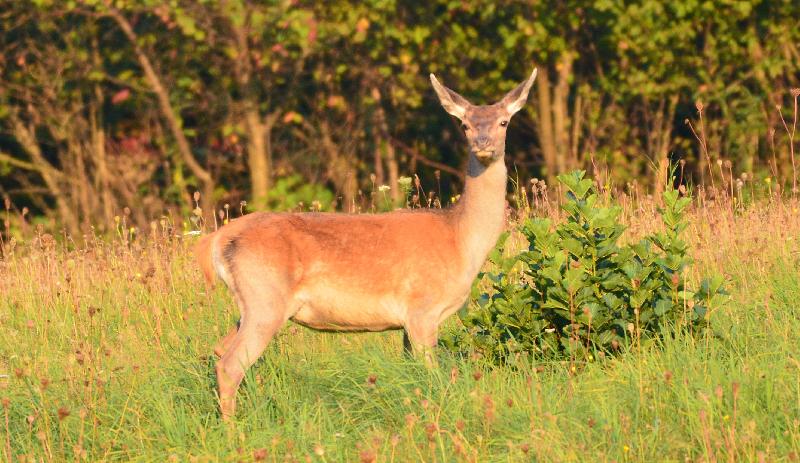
{"x":106,"y":355}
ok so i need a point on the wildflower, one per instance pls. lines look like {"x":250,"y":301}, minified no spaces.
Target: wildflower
{"x":384,"y":188}
{"x":453,"y":375}
{"x":460,"y":425}
{"x":318,"y":450}
{"x":768,"y":180}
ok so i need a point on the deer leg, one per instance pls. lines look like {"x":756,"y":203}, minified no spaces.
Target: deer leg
{"x":421,"y":337}
{"x":225,"y":343}
{"x":265,"y":315}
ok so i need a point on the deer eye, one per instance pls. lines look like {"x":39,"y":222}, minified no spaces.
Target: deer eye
{"x":464,"y":127}
{"x":503,"y":123}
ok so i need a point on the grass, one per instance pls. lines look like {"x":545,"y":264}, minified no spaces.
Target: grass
{"x":105,"y":355}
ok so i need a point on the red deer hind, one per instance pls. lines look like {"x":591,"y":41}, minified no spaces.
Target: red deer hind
{"x":407,"y":269}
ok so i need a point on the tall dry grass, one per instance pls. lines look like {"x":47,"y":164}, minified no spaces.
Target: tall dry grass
{"x":105,"y":355}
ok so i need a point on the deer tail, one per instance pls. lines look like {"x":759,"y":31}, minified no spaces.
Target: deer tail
{"x":203,"y":254}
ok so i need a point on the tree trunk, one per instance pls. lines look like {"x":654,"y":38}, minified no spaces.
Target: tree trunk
{"x":560,"y":114}
{"x":553,"y":118}
{"x":172,"y":118}
{"x":385,"y":147}
{"x":545,"y":125}
{"x":51,"y":176}
{"x":258,"y":161}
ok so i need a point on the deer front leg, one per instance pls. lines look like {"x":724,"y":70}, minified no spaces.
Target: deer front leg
{"x":420,"y":338}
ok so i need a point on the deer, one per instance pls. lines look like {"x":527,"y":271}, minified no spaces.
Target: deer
{"x":405,"y":269}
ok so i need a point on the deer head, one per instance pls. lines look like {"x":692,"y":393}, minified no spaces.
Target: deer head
{"x":484,"y":126}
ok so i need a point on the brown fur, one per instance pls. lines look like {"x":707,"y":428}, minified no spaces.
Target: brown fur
{"x":367,"y":272}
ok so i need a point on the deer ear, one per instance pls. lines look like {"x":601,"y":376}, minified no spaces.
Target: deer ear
{"x":515,"y":99}
{"x":452,"y":102}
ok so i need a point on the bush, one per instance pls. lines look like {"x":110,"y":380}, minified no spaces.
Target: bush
{"x":575,"y":290}
{"x":291,"y":193}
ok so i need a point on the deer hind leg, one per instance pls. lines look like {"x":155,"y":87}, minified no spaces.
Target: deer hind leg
{"x":264,"y":313}
{"x":420,"y":339}
{"x":225,"y":343}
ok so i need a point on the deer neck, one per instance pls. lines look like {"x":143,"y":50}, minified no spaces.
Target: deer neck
{"x":480,"y":212}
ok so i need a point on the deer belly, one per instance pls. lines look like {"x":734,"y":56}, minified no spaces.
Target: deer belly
{"x":334,"y":310}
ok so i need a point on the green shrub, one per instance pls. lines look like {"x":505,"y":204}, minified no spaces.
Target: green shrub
{"x":576,"y":291}
{"x":292,"y":193}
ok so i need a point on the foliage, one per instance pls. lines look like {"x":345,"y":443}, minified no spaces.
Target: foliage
{"x":292,"y":193}
{"x":580,"y":291}
{"x":223,"y":97}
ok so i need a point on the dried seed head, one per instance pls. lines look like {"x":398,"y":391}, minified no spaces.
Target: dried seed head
{"x":196,"y":196}
{"x":63,"y":412}
{"x":372,"y":379}
{"x":260,"y":454}
{"x":667,"y":376}
{"x":453,"y":375}
{"x":7,"y":202}
{"x":699,"y":105}
{"x":477,"y":375}
{"x":795,"y":92}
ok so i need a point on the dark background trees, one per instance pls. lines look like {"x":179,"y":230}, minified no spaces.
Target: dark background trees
{"x":138,"y":104}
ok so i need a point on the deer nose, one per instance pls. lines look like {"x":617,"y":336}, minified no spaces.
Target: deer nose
{"x":482,"y":140}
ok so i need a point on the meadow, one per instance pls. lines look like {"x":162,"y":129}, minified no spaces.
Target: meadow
{"x":106,"y":355}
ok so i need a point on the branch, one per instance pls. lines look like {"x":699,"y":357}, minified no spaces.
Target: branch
{"x":18,"y":162}
{"x":163,"y":98}
{"x":428,"y":162}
